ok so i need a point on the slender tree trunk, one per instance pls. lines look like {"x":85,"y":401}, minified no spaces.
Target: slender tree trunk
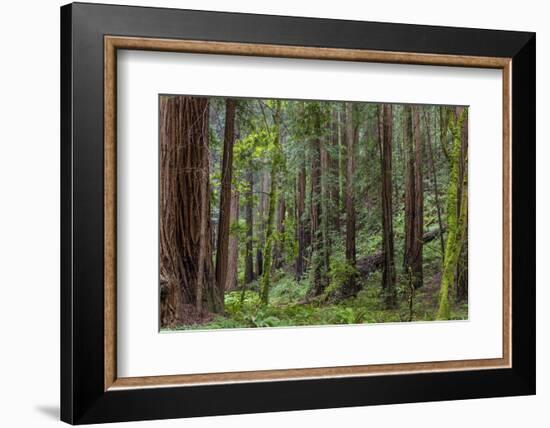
{"x":264,"y":194}
{"x":414,"y":200}
{"x":334,"y":159}
{"x":366,"y":196}
{"x":325,"y":212}
{"x":409,"y":188}
{"x":300,"y":211}
{"x":350,"y":287}
{"x":225,"y":199}
{"x":341,"y":162}
{"x":281,"y":215}
{"x":443,"y":128}
{"x":319,"y":233}
{"x":268,"y":249}
{"x":418,"y":201}
{"x":249,"y":215}
{"x":233,"y":250}
{"x":186,"y":270}
{"x":434,"y":176}
{"x":314,"y":217}
{"x":385,"y":143}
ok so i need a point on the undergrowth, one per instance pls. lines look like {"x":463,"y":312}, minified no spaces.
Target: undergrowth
{"x":289,"y":307}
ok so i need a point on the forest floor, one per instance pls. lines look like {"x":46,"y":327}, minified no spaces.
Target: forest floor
{"x":288,"y":306}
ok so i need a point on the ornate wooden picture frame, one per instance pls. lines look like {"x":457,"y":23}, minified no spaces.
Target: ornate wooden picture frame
{"x":91,"y":390}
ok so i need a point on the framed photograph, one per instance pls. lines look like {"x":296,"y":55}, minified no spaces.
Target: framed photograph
{"x":266,"y":213}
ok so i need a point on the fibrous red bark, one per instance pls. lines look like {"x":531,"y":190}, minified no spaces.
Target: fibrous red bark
{"x":186,"y":270}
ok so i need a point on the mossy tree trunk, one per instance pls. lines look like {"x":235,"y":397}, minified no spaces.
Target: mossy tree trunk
{"x":265,"y":282}
{"x":456,"y":224}
{"x":461,"y":280}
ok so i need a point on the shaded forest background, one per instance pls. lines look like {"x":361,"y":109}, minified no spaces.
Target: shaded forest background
{"x":283,"y":213}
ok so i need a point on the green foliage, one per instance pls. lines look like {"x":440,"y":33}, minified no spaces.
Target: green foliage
{"x":288,"y":307}
{"x":259,"y":153}
{"x":255,"y":149}
{"x":339,"y":273}
{"x":288,"y":290}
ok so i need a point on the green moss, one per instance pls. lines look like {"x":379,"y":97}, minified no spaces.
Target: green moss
{"x":456,"y":226}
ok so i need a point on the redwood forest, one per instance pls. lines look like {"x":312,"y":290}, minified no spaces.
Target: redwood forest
{"x":278,"y":213}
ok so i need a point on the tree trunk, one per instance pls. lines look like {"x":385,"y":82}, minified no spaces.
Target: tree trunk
{"x":414,"y":199}
{"x":186,"y":270}
{"x":409,"y":187}
{"x":249,"y":248}
{"x":233,"y":250}
{"x":325,"y":212}
{"x":341,"y":163}
{"x":461,"y":281}
{"x":300,"y":222}
{"x":249,"y":218}
{"x":268,"y":248}
{"x":443,"y":128}
{"x":334,"y":159}
{"x":456,"y":224}
{"x":262,"y":209}
{"x":222,"y":255}
{"x":281,"y":214}
{"x":314,"y":219}
{"x":434,"y":176}
{"x":385,"y":143}
{"x":419,"y":201}
{"x":350,"y":287}
{"x":319,"y":240}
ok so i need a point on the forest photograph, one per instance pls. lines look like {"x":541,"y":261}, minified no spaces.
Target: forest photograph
{"x":283,"y":213}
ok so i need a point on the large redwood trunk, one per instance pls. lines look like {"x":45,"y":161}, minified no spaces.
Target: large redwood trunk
{"x":186,"y":270}
{"x":385,"y":143}
{"x":222,"y":253}
{"x":414,"y":197}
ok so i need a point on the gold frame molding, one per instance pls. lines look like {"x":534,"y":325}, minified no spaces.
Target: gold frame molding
{"x":113,"y":43}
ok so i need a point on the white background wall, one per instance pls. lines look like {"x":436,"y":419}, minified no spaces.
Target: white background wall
{"x":29,"y":214}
